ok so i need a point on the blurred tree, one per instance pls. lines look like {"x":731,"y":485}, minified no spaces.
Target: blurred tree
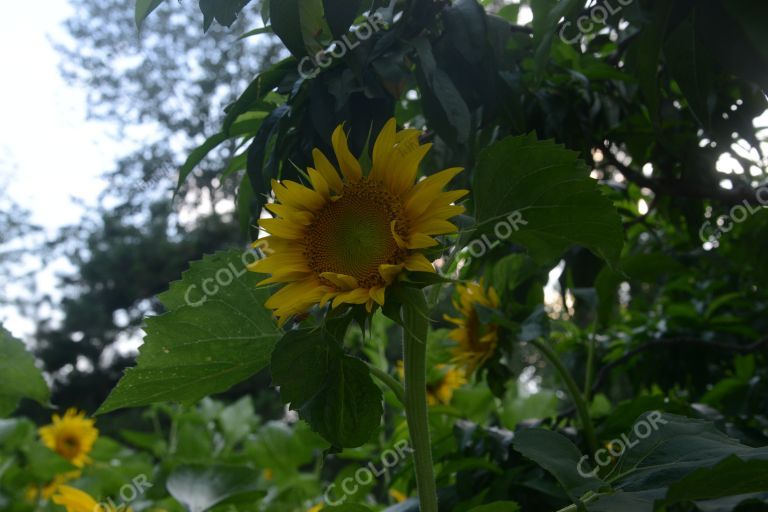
{"x":167,"y":88}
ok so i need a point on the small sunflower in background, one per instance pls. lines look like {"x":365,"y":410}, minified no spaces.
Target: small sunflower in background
{"x":476,"y":342}
{"x":33,"y":493}
{"x":439,"y":390}
{"x":316,"y":508}
{"x":348,"y":236}
{"x":75,"y":500}
{"x":71,"y":436}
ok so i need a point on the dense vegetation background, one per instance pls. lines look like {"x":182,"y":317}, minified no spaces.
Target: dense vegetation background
{"x":647,"y":283}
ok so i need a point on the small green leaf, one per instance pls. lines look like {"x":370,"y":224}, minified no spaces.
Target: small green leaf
{"x":223,"y":11}
{"x":215,"y":334}
{"x":197,"y":155}
{"x":199,"y":488}
{"x":538,"y":194}
{"x":19,"y":378}
{"x":143,"y":9}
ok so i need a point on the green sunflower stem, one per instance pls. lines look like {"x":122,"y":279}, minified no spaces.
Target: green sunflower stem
{"x":415,"y":327}
{"x":582,"y":408}
{"x":388,"y":381}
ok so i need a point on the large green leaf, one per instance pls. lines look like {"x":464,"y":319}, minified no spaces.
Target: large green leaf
{"x":550,"y":189}
{"x":143,"y":9}
{"x":19,"y":378}
{"x":681,"y":460}
{"x":215,"y":334}
{"x":731,"y":477}
{"x":558,"y":455}
{"x":199,"y":488}
{"x":332,"y":391}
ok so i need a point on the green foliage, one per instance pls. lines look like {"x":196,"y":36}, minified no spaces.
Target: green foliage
{"x":214,"y":335}
{"x":332,"y":391}
{"x":551,"y":190}
{"x":200,"y":488}
{"x":19,"y":378}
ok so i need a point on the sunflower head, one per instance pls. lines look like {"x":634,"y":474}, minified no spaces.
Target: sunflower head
{"x":75,"y":500}
{"x":71,"y":436}
{"x":475,"y":341}
{"x":45,"y":492}
{"x":441,"y":391}
{"x":440,"y":388}
{"x":348,"y":235}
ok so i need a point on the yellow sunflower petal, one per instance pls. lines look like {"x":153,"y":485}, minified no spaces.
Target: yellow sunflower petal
{"x":350,"y":167}
{"x":329,"y":172}
{"x":382,"y":149}
{"x":418,"y":263}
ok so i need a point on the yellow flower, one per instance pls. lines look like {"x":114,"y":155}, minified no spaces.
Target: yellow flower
{"x":76,"y":500}
{"x":48,"y":490}
{"x":397,"y":495}
{"x":316,"y":508}
{"x":267,"y":474}
{"x":71,"y":436}
{"x":441,"y":392}
{"x":476,"y":342}
{"x":349,"y":236}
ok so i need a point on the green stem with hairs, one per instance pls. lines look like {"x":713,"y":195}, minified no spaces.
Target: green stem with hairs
{"x":573,"y":390}
{"x":415,"y":327}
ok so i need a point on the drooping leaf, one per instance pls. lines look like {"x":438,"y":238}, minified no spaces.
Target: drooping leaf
{"x":552,"y":200}
{"x":332,"y":391}
{"x":286,"y":23}
{"x":215,"y":334}
{"x":19,"y":377}
{"x":201,"y":487}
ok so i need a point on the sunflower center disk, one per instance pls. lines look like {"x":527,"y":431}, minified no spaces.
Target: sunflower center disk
{"x":352,"y":234}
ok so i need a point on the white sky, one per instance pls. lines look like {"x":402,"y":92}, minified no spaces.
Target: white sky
{"x":49,"y":152}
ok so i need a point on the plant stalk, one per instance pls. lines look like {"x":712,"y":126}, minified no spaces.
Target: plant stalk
{"x":415,"y":362}
{"x":388,"y":381}
{"x":573,"y":390}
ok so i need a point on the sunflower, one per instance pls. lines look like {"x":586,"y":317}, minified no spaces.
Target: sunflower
{"x":45,"y":492}
{"x":349,"y":235}
{"x":76,"y":500}
{"x":441,"y":391}
{"x":71,"y":436}
{"x":476,"y":341}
